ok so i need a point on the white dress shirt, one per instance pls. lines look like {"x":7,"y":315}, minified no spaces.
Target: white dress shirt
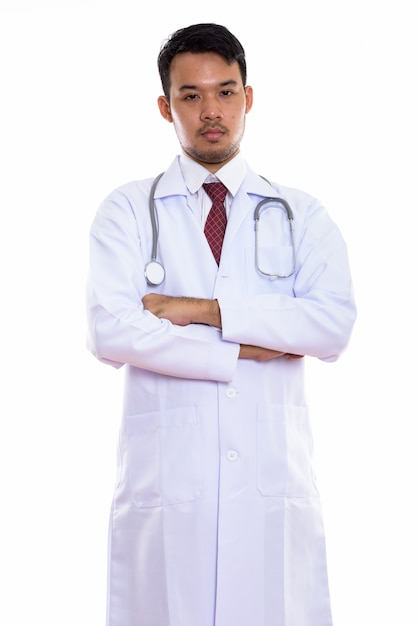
{"x":231,"y":175}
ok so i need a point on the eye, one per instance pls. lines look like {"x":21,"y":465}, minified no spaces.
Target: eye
{"x":191,"y":96}
{"x":227,"y":92}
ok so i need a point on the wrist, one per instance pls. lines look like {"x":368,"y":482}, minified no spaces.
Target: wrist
{"x":207,"y":312}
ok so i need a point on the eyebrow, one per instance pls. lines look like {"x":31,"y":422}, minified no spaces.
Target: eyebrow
{"x":225,"y":83}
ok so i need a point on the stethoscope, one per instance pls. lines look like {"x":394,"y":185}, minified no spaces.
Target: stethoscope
{"x":154,"y":270}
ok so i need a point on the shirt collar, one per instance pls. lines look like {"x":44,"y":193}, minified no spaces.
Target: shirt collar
{"x":231,"y":174}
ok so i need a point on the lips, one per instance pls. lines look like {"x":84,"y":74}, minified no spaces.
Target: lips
{"x":213,"y":134}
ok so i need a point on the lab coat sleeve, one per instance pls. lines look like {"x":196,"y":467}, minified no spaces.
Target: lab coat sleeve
{"x":318,"y":317}
{"x":120,"y":331}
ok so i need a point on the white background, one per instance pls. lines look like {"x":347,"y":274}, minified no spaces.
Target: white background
{"x":335,"y":114}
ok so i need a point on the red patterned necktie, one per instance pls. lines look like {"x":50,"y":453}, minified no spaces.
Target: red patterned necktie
{"x":216,"y":221}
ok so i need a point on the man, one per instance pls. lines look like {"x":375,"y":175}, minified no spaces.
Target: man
{"x":216,"y":519}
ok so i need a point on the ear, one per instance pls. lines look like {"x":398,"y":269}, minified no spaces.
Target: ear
{"x":164,"y":107}
{"x":248,"y":98}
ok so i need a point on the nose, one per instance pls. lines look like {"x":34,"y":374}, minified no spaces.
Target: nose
{"x":211,"y":110}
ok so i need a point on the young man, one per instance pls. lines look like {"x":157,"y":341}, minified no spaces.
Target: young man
{"x":216,"y":517}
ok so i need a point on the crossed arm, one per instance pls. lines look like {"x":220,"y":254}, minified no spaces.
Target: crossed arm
{"x":183,"y":311}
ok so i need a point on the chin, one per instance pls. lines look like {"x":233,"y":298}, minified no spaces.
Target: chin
{"x":213,"y":157}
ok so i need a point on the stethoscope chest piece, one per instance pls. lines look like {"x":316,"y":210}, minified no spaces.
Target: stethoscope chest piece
{"x":154,"y":273}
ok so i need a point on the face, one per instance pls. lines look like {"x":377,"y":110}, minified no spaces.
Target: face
{"x":207,"y":106}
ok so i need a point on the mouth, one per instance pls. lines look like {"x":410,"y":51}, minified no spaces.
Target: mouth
{"x":213,"y":134}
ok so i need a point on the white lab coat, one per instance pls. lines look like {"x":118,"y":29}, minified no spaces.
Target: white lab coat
{"x":216,"y":519}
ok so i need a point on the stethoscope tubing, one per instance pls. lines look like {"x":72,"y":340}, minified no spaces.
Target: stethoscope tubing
{"x":155,"y":272}
{"x":153,"y":218}
{"x":289,"y":213}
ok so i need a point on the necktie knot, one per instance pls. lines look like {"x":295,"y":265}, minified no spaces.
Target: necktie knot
{"x":216,"y":221}
{"x":216,"y":191}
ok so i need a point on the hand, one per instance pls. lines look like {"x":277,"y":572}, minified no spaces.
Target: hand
{"x":183,"y":311}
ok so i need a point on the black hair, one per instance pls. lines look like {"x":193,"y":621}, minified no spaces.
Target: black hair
{"x":200,"y":38}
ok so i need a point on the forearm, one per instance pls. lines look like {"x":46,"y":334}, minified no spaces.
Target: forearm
{"x":183,"y":311}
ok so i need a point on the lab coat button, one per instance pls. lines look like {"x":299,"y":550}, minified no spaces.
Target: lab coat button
{"x":231,"y":392}
{"x":232,"y":455}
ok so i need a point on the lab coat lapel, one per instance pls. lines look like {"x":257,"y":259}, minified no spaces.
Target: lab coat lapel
{"x":173,"y":192}
{"x":252,"y":190}
{"x":172,"y":182}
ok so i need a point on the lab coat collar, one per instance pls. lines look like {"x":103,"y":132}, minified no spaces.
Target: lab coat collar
{"x":236,"y":175}
{"x":231,"y":174}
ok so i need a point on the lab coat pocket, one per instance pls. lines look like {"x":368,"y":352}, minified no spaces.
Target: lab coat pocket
{"x":284,"y":448}
{"x":163,"y":457}
{"x":275,"y":260}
